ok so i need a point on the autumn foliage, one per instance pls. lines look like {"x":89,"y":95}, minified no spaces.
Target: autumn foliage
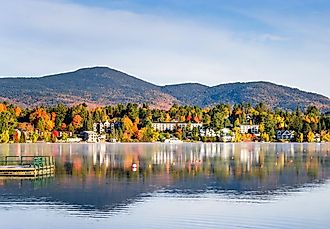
{"x":135,"y":123}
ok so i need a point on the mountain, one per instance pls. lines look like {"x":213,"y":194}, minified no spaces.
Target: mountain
{"x":104,"y":86}
{"x":252,"y":92}
{"x":187,"y":93}
{"x":93,"y":86}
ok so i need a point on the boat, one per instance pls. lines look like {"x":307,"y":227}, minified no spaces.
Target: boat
{"x":173,"y":140}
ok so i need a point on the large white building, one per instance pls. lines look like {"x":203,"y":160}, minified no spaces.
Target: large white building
{"x":250,"y":129}
{"x":90,"y":136}
{"x":100,"y":127}
{"x":171,"y":126}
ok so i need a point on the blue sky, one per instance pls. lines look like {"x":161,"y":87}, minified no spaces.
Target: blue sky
{"x":171,"y":41}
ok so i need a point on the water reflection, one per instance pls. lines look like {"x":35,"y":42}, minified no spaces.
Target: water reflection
{"x":98,"y":179}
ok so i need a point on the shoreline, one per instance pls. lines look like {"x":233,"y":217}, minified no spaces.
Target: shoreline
{"x":155,"y":143}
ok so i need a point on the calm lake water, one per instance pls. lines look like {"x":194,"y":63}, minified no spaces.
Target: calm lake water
{"x":250,"y":185}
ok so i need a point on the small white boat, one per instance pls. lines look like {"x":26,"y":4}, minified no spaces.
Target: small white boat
{"x":173,"y":141}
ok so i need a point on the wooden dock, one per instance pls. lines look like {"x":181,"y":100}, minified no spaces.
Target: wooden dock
{"x":27,"y":166}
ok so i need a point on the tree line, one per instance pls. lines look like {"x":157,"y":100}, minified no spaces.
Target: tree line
{"x":45,"y":123}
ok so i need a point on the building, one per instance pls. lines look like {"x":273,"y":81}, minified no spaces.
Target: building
{"x":101,"y":127}
{"x":317,"y":138}
{"x":73,"y":140}
{"x":89,"y":136}
{"x":250,"y":129}
{"x":171,"y":126}
{"x":226,"y":135}
{"x":285,"y":134}
{"x":208,"y":132}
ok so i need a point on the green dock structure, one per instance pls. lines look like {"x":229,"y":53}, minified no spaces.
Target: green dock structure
{"x":27,"y":166}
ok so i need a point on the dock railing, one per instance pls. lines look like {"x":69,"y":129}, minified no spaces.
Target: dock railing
{"x":26,"y":166}
{"x":28,"y":161}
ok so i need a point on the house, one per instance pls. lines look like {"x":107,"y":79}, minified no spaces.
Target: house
{"x":171,"y":126}
{"x":101,"y":127}
{"x":317,"y":138}
{"x":89,"y":136}
{"x":114,"y":125}
{"x":73,"y":140}
{"x":226,"y":135}
{"x":250,"y":129}
{"x":102,"y":138}
{"x":285,"y":134}
{"x":208,"y":132}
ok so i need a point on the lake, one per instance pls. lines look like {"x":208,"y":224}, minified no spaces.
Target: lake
{"x":190,"y":185}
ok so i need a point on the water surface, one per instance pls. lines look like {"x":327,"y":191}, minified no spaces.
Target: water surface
{"x":249,"y":185}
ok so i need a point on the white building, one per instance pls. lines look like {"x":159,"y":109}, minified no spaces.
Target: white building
{"x":285,"y":134}
{"x":250,"y":129}
{"x":227,"y":135}
{"x":171,"y":126}
{"x":90,"y":136}
{"x":100,"y":127}
{"x":208,"y":132}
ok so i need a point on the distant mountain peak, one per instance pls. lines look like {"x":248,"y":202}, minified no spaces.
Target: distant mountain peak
{"x":97,"y":69}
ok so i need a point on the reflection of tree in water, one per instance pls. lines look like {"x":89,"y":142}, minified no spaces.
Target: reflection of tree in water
{"x":67,"y":168}
{"x":265,"y":163}
{"x":97,"y":176}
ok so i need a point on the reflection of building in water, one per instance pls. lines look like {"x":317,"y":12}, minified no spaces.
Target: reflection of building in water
{"x":221,"y":160}
{"x":102,"y":174}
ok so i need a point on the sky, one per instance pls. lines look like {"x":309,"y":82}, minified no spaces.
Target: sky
{"x":171,"y":41}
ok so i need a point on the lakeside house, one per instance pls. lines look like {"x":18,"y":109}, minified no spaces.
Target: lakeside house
{"x":89,"y":136}
{"x":249,"y":129}
{"x":317,"y":138}
{"x":101,"y":127}
{"x":285,"y":135}
{"x":106,"y":127}
{"x":73,"y":140}
{"x":227,"y":135}
{"x":208,"y":132}
{"x":171,"y":126}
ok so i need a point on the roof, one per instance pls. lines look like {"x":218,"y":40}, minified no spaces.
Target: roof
{"x":89,"y":132}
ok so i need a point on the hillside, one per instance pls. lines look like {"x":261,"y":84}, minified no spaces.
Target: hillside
{"x":188,"y":93}
{"x":105,"y":86}
{"x":252,"y":92}
{"x":93,"y":86}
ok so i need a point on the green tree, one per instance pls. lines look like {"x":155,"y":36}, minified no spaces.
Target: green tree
{"x":300,"y":137}
{"x":34,"y":136}
{"x":64,"y":136}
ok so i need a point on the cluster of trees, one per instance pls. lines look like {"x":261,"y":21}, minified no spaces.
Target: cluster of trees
{"x":45,"y":123}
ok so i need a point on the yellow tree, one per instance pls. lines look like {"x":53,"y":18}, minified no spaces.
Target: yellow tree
{"x":310,"y":136}
{"x":265,"y":137}
{"x":167,"y":118}
{"x":238,"y":135}
{"x":325,"y":136}
{"x":128,"y":128}
{"x":262,"y":127}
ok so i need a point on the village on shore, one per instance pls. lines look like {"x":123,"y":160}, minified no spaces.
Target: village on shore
{"x":139,"y":123}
